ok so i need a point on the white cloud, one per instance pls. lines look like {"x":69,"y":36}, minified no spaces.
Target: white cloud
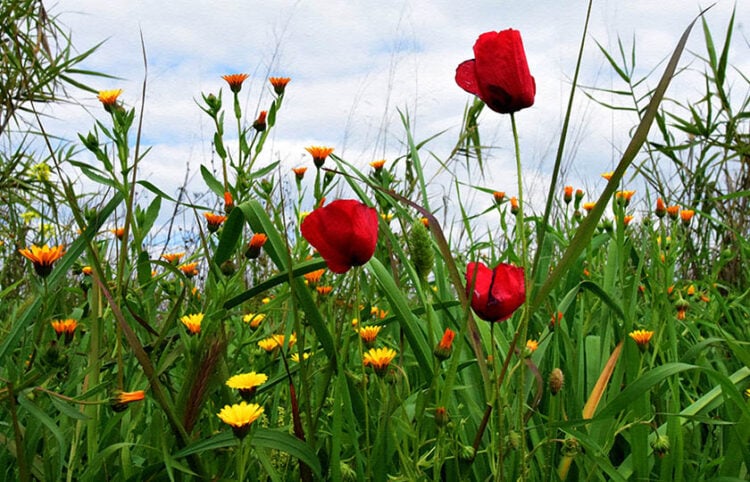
{"x":353,"y":65}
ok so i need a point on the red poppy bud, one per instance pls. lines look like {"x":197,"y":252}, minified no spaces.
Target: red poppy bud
{"x":497,"y":292}
{"x":344,"y":232}
{"x":499,"y":73}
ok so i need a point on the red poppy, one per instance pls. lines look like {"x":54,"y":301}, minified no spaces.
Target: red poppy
{"x":497,"y":292}
{"x":344,"y":233}
{"x":499,"y":74}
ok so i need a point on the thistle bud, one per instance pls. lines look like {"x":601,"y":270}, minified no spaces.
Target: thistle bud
{"x":556,"y":381}
{"x":420,"y":247}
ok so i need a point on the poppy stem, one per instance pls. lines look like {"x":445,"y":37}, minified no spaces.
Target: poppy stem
{"x":523,"y":324}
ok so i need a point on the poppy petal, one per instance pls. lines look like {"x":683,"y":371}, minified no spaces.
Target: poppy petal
{"x":466,"y":77}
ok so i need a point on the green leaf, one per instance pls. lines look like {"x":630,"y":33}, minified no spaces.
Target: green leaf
{"x":406,"y":319}
{"x":212,"y":183}
{"x":278,"y":440}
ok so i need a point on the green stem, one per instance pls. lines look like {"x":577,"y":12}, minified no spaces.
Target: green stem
{"x":524,"y":323}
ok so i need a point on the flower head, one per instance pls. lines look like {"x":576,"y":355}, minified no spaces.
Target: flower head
{"x":189,"y":269}
{"x":193,"y":322}
{"x":661,"y":208}
{"x":324,"y":290}
{"x":235,"y":81}
{"x":108,"y":98}
{"x":495,"y":293}
{"x":319,"y":154}
{"x":247,"y":383}
{"x":120,"y":400}
{"x":589,"y":206}
{"x":378,"y":165}
{"x":87,"y":270}
{"x":673,"y":211}
{"x":608,"y":175}
{"x":568,"y":194}
{"x":444,"y":347}
{"x":260,"y":123}
{"x":43,"y":258}
{"x":118,"y":232}
{"x":313,"y":277}
{"x":295,"y":356}
{"x":172,"y":258}
{"x":274,"y":342}
{"x":299,"y":172}
{"x":499,"y":73}
{"x":279,"y":84}
{"x":624,"y":197}
{"x":379,"y":359}
{"x":641,"y":337}
{"x":65,"y":327}
{"x":240,"y":417}
{"x":686,"y":215}
{"x":499,"y":196}
{"x":255,"y":244}
{"x":344,"y":232}
{"x":254,"y":319}
{"x":368,"y":334}
{"x":514,"y":205}
{"x":214,"y":221}
{"x":228,"y":202}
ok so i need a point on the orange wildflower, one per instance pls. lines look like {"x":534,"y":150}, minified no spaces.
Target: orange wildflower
{"x":608,"y":175}
{"x":324,"y":290}
{"x":499,"y":196}
{"x":626,"y":220}
{"x":214,"y":221}
{"x":65,"y":327}
{"x":686,"y":215}
{"x":173,"y":258}
{"x":368,"y":334}
{"x":531,"y":346}
{"x":279,"y":84}
{"x":299,"y":172}
{"x":254,"y":319}
{"x":568,"y":194}
{"x":378,"y":165}
{"x":235,"y":81}
{"x":379,"y":359}
{"x":255,"y":244}
{"x":108,"y":98}
{"x":641,"y":337}
{"x":319,"y":154}
{"x":514,"y":205}
{"x":673,"y":211}
{"x":661,"y":208}
{"x":260,"y":123}
{"x":120,"y":400}
{"x":118,"y":232}
{"x":43,"y":258}
{"x":87,"y":270}
{"x":228,"y":202}
{"x":189,"y":269}
{"x":313,"y":277}
{"x":274,"y":342}
{"x":193,"y":322}
{"x":589,"y":206}
{"x":444,"y":347}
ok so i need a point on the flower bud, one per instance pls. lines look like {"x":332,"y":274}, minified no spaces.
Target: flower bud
{"x":441,"y":417}
{"x":556,"y":381}
{"x":660,"y":445}
{"x":420,"y":248}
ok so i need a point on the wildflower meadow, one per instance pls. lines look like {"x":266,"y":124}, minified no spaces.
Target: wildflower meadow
{"x":326,"y":321}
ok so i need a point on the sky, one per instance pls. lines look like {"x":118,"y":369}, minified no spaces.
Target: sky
{"x":355,"y":65}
